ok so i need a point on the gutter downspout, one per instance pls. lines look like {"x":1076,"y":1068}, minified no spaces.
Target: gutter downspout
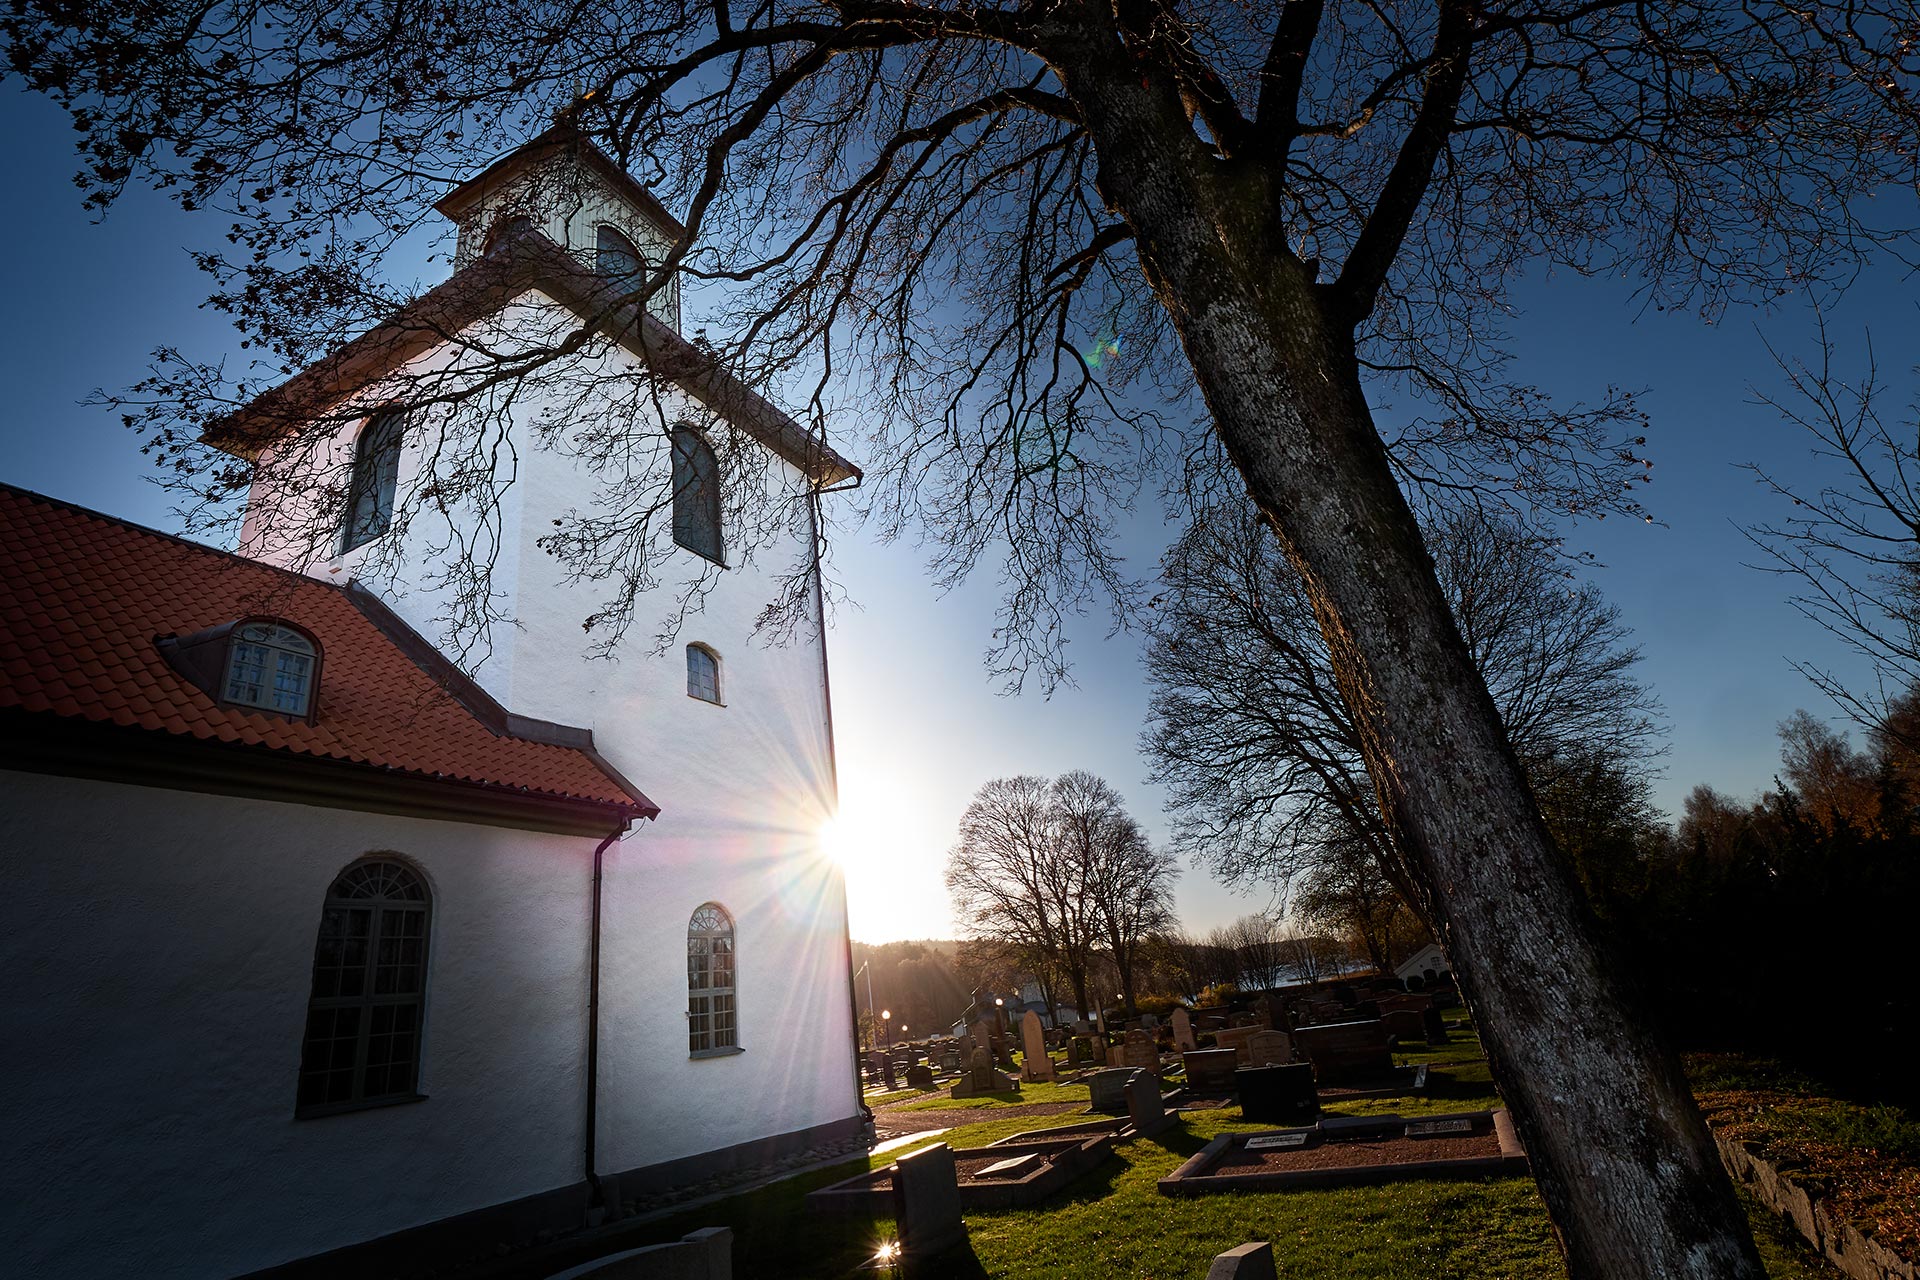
{"x":833,"y":773}
{"x":596,"y":1198}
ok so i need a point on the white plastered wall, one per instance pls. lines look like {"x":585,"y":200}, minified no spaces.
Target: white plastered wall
{"x":744,"y":790}
{"x":158,"y":948}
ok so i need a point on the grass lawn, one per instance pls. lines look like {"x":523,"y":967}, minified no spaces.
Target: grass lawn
{"x":1114,"y":1223}
{"x":1026,"y":1095}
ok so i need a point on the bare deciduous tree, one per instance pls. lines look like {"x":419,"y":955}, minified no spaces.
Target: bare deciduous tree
{"x":1264,"y":762}
{"x":1045,"y":249}
{"x":1853,"y":542}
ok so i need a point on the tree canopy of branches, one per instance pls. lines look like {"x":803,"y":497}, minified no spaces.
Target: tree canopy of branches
{"x":1052,"y":249}
{"x":1055,"y":872}
{"x":1264,"y":761}
{"x":1853,"y":542}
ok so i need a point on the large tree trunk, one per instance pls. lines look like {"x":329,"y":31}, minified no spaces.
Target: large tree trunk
{"x":1629,"y":1172}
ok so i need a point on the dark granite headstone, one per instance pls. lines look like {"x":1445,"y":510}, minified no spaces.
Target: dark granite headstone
{"x":1210,"y":1071}
{"x":1277,"y":1095}
{"x":920,"y":1076}
{"x":926,"y":1202}
{"x":1109,"y":1089}
{"x":1144,"y":1109}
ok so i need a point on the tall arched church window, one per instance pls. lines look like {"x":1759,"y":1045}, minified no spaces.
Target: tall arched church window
{"x":362,"y":1045}
{"x":712,"y":1026}
{"x":376,"y":472}
{"x":703,"y":673}
{"x":614,"y":255}
{"x":696,"y":495}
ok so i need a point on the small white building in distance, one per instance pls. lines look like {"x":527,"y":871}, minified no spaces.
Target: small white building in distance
{"x":327,"y":955}
{"x":1426,"y":964}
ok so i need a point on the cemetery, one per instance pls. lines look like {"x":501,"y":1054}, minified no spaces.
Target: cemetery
{"x":1034,"y":1178}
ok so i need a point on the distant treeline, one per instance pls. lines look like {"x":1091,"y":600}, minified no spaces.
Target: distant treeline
{"x":1784,"y":926}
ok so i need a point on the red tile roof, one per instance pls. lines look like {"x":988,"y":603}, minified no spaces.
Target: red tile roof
{"x":83,"y":597}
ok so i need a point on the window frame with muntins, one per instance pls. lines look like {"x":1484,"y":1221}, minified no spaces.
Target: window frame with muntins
{"x":708,"y":689}
{"x":713,"y":1006}
{"x":374,"y":479}
{"x":366,"y":1008}
{"x":696,"y":495}
{"x":284,"y":654}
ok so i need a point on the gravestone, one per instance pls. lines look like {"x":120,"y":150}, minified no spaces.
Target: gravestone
{"x":1244,"y":1262}
{"x":1342,"y":1051}
{"x":1241,"y":1020}
{"x":1116,"y":1055}
{"x":886,"y":1070}
{"x":1235,"y":1038}
{"x":1139,"y":1051}
{"x":1108,"y":1089}
{"x":926,"y":1202}
{"x":1404,"y":1024}
{"x":1210,"y":1071}
{"x":1436,"y":1025}
{"x":1183,"y":1031}
{"x":1144,"y":1108}
{"x":981,"y":1078}
{"x":1074,"y":1061}
{"x":1149,"y":1022}
{"x":1277,"y":1095}
{"x":1034,"y":1063}
{"x":920,"y":1076}
{"x":1269,"y":1048}
{"x":1268,"y":1012}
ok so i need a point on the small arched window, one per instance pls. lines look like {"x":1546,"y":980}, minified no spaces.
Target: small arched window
{"x":711,"y":1023}
{"x":696,"y":495}
{"x":362,"y":1045}
{"x":614,"y":255}
{"x":376,"y":472}
{"x":703,"y":673}
{"x":273,"y":667}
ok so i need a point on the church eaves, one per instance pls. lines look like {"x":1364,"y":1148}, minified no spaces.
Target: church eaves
{"x":524,"y":261}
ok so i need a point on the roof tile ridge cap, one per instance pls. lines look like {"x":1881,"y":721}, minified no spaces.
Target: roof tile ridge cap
{"x":106,"y":517}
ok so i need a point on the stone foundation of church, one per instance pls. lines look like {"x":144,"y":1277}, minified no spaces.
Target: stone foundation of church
{"x":500,"y":1230}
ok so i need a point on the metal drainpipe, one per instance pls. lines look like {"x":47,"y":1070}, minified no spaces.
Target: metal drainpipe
{"x":595,"y":1197}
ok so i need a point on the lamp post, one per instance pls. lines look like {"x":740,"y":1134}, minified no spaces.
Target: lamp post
{"x":886,"y":1036}
{"x":1000,"y":1015}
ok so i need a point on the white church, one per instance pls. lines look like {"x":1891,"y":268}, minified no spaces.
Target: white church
{"x":328,"y":955}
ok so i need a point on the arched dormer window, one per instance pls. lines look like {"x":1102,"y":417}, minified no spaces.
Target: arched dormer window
{"x":376,"y":473}
{"x":614,"y":255}
{"x":696,"y":495}
{"x":364,"y":1015}
{"x":262,"y":664}
{"x":703,"y":673}
{"x":271,"y":666}
{"x":712,"y":1025}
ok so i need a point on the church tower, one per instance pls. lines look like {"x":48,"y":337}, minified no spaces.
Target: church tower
{"x":566,"y":188}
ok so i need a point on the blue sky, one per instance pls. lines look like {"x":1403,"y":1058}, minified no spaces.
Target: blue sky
{"x":918,"y":723}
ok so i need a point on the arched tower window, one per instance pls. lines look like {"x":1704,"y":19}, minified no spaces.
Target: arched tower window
{"x":696,"y":495}
{"x":703,"y":673}
{"x":362,"y":1045}
{"x":376,"y":472}
{"x":711,"y":1023}
{"x":614,"y":255}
